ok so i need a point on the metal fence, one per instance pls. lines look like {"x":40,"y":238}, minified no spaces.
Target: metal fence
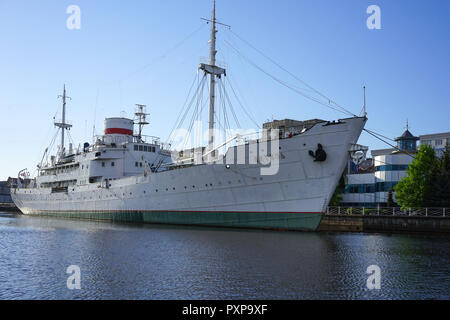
{"x":412,"y":212}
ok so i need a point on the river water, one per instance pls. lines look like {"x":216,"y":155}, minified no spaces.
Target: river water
{"x":120,"y":261}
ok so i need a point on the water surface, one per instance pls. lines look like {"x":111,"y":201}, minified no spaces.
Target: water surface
{"x":120,"y":261}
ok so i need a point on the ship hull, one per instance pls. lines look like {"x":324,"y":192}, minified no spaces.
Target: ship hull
{"x":289,"y":221}
{"x":217,"y":195}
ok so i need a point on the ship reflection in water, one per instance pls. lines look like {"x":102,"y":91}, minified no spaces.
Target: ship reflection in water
{"x":119,"y":261}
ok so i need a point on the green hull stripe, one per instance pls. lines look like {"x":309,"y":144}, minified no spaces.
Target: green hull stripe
{"x":256,"y":220}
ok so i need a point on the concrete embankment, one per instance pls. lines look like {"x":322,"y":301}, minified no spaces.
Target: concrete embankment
{"x":388,"y":224}
{"x":8,"y":207}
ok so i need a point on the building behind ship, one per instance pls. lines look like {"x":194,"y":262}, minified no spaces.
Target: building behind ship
{"x":369,"y":184}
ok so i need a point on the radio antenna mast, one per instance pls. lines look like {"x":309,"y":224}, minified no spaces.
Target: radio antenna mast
{"x":142,"y":120}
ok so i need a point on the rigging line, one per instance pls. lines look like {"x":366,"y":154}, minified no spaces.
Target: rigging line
{"x":231,"y":105}
{"x":217,"y":114}
{"x":288,"y":86}
{"x":70,"y":137}
{"x":287,"y":71}
{"x":184,"y":105}
{"x":50,"y":147}
{"x":191,"y":103}
{"x":196,"y":113}
{"x":226,"y":121}
{"x":297,"y":90}
{"x":223,"y":100}
{"x":383,"y":136}
{"x":241,"y":105}
{"x":396,"y":148}
{"x":230,"y":80}
{"x":180,"y":123}
{"x":294,"y":86}
{"x":164,"y":55}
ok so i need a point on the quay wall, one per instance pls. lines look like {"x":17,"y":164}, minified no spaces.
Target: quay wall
{"x":388,"y":224}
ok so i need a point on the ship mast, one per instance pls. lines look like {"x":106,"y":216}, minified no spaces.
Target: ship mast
{"x":142,"y":120}
{"x":63,"y":125}
{"x":212,"y":84}
{"x":213,"y":71}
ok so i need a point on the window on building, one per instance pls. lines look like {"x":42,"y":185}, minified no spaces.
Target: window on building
{"x":438,"y":142}
{"x":407,"y":145}
{"x":112,"y":164}
{"x":103,"y":164}
{"x":392,"y":167}
{"x":385,"y":186}
{"x":136,"y":148}
{"x":360,"y":188}
{"x":141,"y":148}
{"x":145,"y":148}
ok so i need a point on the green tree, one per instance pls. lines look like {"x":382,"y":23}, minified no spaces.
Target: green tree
{"x":336,"y":199}
{"x":412,"y":190}
{"x":438,"y":192}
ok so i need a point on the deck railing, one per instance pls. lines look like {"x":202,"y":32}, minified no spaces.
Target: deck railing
{"x":395,"y":211}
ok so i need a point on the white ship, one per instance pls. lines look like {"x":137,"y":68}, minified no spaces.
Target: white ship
{"x":268,"y":183}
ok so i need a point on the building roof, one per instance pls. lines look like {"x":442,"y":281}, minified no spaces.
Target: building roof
{"x":407,"y":136}
{"x":435,"y":136}
{"x":382,"y":152}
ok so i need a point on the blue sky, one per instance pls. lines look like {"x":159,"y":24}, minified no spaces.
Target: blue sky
{"x":124,"y":54}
